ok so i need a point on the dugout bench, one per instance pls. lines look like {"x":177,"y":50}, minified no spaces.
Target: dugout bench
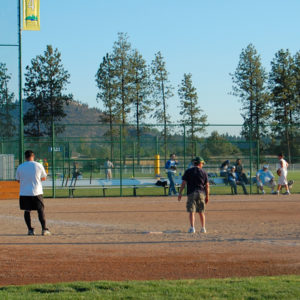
{"x":103,"y":185}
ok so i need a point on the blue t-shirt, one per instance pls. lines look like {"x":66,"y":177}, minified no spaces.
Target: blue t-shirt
{"x":264,"y":176}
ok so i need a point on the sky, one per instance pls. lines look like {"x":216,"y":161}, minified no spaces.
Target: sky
{"x":204,"y":38}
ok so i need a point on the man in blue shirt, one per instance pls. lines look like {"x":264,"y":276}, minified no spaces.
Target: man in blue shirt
{"x":265,"y":177}
{"x":171,"y":166}
{"x":234,"y":180}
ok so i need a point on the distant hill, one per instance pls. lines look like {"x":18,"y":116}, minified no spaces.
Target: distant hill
{"x":80,"y":113}
{"x":77,"y":113}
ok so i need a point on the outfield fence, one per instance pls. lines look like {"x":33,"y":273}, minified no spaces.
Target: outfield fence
{"x":141,"y":153}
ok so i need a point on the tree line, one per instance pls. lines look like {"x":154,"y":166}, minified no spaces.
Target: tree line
{"x":130,"y":90}
{"x":270,"y":101}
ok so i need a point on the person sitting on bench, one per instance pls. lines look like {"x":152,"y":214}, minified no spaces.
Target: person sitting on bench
{"x":234,"y":180}
{"x":265,"y":177}
{"x":224,"y":168}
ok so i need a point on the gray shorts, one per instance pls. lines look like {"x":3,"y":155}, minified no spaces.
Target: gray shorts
{"x":195,"y":202}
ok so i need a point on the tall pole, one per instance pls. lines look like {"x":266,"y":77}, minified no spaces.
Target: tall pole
{"x":53,"y":160}
{"x":121,"y":165}
{"x":21,"y":129}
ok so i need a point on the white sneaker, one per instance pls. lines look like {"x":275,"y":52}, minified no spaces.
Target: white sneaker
{"x":203,"y":230}
{"x":46,"y":232}
{"x":263,"y":192}
{"x":192,"y":230}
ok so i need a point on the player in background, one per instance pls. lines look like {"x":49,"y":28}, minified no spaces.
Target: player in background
{"x":265,"y":177}
{"x":171,"y":166}
{"x":197,"y":183}
{"x":282,"y":172}
{"x":46,"y":166}
{"x":108,"y":165}
{"x":30,"y":175}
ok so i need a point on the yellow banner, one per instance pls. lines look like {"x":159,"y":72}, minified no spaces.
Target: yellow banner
{"x":31,"y":14}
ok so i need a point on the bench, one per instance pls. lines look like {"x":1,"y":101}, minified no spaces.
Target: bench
{"x":9,"y":190}
{"x":103,"y":184}
{"x":222,"y":181}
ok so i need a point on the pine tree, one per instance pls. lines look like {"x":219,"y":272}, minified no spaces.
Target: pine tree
{"x":121,"y":68}
{"x":190,"y":110}
{"x":282,"y":85}
{"x":162,"y":91}
{"x":249,"y":82}
{"x":107,"y":95}
{"x":7,"y":126}
{"x":45,"y":81}
{"x":140,"y":93}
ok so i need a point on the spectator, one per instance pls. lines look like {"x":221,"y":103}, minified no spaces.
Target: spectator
{"x":265,"y":177}
{"x":224,"y":168}
{"x":171,"y":166}
{"x":75,"y":173}
{"x":234,"y":180}
{"x":240,"y":171}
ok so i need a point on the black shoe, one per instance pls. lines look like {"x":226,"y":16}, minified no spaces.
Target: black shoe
{"x":31,"y":231}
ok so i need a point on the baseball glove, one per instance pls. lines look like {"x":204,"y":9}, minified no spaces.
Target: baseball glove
{"x":290,"y":183}
{"x":278,"y":172}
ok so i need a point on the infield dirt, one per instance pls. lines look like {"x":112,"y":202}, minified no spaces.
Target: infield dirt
{"x":109,"y":239}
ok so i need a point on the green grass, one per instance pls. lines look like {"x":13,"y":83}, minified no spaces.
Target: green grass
{"x":281,"y":287}
{"x":115,"y":192}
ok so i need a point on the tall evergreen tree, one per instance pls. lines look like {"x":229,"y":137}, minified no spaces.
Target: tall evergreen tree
{"x":45,"y":81}
{"x":282,"y":85}
{"x":140,"y":93}
{"x":249,"y":84}
{"x":107,"y":95}
{"x":190,"y":110}
{"x":121,"y":68}
{"x":162,"y":91}
{"x":7,"y":126}
{"x":297,"y":77}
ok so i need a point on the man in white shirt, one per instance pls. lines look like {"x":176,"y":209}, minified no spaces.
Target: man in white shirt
{"x":265,"y":177}
{"x":108,"y":165}
{"x":282,"y":172}
{"x":30,"y":175}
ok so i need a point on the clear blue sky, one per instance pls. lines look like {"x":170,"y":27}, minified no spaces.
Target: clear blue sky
{"x":204,"y":38}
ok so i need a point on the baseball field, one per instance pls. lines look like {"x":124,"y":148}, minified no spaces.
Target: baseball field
{"x":145,"y":238}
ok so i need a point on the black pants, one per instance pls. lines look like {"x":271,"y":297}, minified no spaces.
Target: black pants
{"x":41,"y":215}
{"x":29,"y":203}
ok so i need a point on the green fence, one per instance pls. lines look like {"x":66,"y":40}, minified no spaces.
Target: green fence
{"x":134,"y":152}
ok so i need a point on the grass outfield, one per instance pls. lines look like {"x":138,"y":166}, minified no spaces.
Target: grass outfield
{"x":219,"y":190}
{"x":281,"y":287}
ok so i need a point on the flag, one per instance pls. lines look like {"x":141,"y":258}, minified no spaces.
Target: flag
{"x":31,"y":14}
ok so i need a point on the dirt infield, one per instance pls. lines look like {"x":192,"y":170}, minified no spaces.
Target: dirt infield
{"x":109,"y":239}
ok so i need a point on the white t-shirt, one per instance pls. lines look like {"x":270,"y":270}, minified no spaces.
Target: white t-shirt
{"x":30,"y":174}
{"x":284,"y":165}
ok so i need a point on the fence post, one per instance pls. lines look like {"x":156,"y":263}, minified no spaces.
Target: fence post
{"x":251,"y":158}
{"x":257,"y":154}
{"x":53,"y":160}
{"x":184,"y":148}
{"x":121,"y":188}
{"x":133,"y":161}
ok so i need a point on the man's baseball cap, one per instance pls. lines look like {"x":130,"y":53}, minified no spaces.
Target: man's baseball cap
{"x":265,"y":166}
{"x":198,"y":160}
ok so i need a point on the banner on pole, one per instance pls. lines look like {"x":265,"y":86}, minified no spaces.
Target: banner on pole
{"x":31,"y":14}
